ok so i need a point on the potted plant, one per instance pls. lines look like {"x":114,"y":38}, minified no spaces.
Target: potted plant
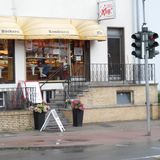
{"x":77,"y":111}
{"x":39,"y":111}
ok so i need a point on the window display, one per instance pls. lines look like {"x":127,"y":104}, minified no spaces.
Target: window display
{"x":6,"y":60}
{"x":44,"y":57}
{"x":54,"y":59}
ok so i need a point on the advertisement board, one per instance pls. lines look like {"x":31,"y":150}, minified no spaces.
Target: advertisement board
{"x":106,"y":9}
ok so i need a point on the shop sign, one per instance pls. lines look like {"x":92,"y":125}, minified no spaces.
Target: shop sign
{"x":58,"y":32}
{"x":9,"y":31}
{"x":78,"y":51}
{"x":106,"y":9}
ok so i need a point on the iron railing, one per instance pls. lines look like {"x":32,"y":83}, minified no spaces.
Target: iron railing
{"x":126,"y":73}
{"x":17,"y":98}
{"x":109,"y":73}
{"x":62,"y":72}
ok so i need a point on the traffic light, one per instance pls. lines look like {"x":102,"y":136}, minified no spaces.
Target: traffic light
{"x":137,"y":45}
{"x":152,"y":44}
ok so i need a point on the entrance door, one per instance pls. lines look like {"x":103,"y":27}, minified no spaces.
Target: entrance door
{"x":79,"y":59}
{"x":115,"y":54}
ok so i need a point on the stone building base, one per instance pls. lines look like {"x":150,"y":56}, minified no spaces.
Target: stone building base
{"x":93,"y":115}
{"x":16,"y":121}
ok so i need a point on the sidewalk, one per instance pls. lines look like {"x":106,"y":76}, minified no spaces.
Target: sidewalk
{"x":109,"y":133}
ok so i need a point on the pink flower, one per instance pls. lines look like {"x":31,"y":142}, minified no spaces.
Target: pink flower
{"x":40,"y":107}
{"x":76,"y":104}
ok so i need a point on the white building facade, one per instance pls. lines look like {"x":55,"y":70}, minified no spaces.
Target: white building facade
{"x":76,"y":37}
{"x":73,"y":10}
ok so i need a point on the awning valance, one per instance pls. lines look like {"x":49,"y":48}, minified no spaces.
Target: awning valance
{"x":89,"y":30}
{"x":47,"y":28}
{"x":9,"y":29}
{"x":12,"y":27}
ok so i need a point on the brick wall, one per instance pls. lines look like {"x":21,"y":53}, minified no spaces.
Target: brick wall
{"x":93,"y":115}
{"x":16,"y":120}
{"x":101,"y":96}
{"x":101,"y":104}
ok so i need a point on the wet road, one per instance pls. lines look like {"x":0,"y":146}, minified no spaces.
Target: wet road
{"x":130,"y":151}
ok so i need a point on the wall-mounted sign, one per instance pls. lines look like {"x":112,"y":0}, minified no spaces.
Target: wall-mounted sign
{"x":78,"y":51}
{"x":78,"y":58}
{"x":107,"y":9}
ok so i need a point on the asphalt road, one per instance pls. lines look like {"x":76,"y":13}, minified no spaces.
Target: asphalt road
{"x":130,"y":151}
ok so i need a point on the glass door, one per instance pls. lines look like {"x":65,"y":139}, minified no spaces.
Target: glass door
{"x":77,"y":59}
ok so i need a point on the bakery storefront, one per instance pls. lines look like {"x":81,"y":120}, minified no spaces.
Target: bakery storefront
{"x":9,"y":32}
{"x":54,"y":48}
{"x":45,"y":58}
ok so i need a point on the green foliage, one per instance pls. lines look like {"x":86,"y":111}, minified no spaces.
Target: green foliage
{"x":159,"y":98}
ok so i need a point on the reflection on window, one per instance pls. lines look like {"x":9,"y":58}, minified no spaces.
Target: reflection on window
{"x":6,"y":61}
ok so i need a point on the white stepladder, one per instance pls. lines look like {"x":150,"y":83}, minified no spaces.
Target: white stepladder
{"x":57,"y":119}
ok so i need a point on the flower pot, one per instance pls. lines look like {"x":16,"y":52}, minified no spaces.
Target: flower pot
{"x":39,"y":119}
{"x":77,"y":117}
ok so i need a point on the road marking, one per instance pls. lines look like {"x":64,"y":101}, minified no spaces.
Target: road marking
{"x":145,"y":157}
{"x":122,"y":145}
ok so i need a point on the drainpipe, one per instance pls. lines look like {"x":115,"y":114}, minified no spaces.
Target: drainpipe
{"x":13,"y":8}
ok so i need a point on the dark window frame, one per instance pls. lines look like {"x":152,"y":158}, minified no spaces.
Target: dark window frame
{"x":126,"y":94}
{"x":10,"y":55}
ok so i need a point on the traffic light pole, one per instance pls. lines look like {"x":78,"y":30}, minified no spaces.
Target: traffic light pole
{"x":144,"y":47}
{"x":146,"y":54}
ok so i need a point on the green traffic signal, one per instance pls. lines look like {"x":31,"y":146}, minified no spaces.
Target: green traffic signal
{"x":137,"y":45}
{"x":152,"y":36}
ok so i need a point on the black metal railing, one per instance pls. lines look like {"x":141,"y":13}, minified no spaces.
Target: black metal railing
{"x":109,"y":73}
{"x":17,"y":98}
{"x":76,"y":82}
{"x":77,"y":78}
{"x":62,"y":72}
{"x":127,"y":73}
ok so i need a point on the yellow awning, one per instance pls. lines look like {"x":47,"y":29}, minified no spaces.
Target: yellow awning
{"x":9,"y":29}
{"x":47,"y":28}
{"x":12,"y":27}
{"x":89,"y":30}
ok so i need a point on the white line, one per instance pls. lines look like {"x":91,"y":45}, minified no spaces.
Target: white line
{"x":157,"y":156}
{"x":145,"y":157}
{"x":122,"y":145}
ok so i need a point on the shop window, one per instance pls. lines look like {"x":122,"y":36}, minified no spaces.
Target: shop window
{"x":1,"y":99}
{"x":45,"y":57}
{"x":6,"y":61}
{"x":124,"y":97}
